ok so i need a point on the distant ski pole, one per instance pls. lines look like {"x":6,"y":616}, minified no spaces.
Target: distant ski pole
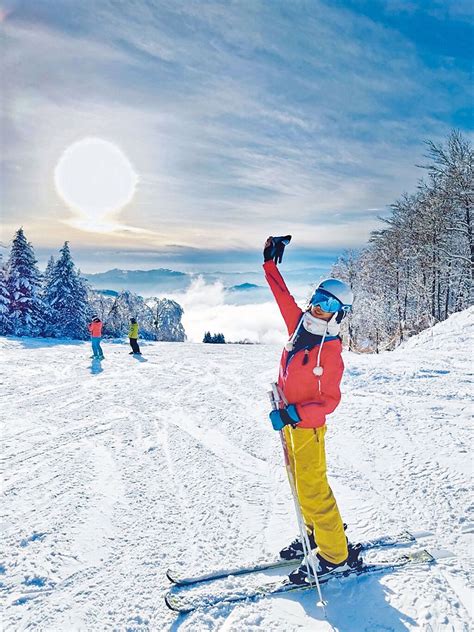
{"x":277,"y":399}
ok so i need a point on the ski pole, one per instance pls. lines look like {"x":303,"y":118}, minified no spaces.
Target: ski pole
{"x":280,"y":400}
{"x":277,"y":399}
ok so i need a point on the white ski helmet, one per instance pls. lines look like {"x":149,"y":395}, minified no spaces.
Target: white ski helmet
{"x":337,"y":289}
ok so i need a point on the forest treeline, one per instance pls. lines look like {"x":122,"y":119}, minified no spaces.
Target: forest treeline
{"x":418,"y":268}
{"x":59,"y":303}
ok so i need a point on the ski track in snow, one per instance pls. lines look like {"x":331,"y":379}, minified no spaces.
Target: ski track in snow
{"x":111,"y":476}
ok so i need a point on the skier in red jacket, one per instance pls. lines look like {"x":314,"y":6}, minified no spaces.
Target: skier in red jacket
{"x":311,"y":369}
{"x":95,"y":330}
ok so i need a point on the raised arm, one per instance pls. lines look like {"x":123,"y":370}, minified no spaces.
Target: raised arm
{"x":289,"y":309}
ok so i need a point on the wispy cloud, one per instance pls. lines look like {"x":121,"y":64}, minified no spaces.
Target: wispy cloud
{"x":239,"y":117}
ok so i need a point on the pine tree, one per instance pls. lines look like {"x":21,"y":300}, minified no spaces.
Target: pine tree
{"x":48,"y":273}
{"x":66,"y":299}
{"x":46,"y":286}
{"x":214,"y":338}
{"x":24,"y":287}
{"x":5,"y":324}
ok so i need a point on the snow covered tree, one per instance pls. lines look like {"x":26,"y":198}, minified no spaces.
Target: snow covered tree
{"x":4,"y":302}
{"x":376,"y":314}
{"x":123,"y":307}
{"x":452,"y":168}
{"x":24,"y":288}
{"x":345,"y":269}
{"x":100,"y":304}
{"x":66,"y":299}
{"x":158,"y":319}
{"x":167,"y":321}
{"x":48,"y":273}
{"x":45,"y":287}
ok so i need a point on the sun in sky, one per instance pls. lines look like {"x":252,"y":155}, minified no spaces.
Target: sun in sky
{"x":96,"y":180}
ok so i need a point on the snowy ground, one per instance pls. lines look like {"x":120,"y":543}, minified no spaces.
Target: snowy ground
{"x":114,"y":473}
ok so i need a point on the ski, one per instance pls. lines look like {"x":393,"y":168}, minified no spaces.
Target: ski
{"x":403,"y":538}
{"x":187,"y":602}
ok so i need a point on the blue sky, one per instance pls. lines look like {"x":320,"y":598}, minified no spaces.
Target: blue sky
{"x":240,"y":119}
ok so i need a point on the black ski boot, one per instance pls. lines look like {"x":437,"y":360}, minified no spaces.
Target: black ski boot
{"x":354,"y":552}
{"x":303,"y":574}
{"x":294,"y":551}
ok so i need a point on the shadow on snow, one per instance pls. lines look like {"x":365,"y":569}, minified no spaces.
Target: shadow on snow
{"x":96,"y":366}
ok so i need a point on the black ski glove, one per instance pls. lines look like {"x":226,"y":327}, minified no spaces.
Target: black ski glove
{"x":275,"y":247}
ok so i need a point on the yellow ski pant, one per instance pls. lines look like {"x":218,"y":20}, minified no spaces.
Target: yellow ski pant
{"x":307,"y":457}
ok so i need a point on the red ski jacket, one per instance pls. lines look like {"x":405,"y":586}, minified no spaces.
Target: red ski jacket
{"x":314,"y":396}
{"x":95,"y":329}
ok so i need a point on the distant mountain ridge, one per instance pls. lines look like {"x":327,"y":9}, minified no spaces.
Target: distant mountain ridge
{"x":158,"y":280}
{"x":126,"y":273}
{"x":155,"y":280}
{"x":240,"y":287}
{"x":244,"y":287}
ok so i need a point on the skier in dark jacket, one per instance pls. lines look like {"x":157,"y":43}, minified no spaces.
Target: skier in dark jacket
{"x":133,"y":337}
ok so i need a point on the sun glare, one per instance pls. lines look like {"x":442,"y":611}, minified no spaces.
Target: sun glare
{"x":96,"y":180}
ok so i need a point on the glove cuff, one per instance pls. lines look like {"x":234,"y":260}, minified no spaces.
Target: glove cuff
{"x":268,"y":254}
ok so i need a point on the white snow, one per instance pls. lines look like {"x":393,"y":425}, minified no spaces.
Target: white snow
{"x":114,"y":473}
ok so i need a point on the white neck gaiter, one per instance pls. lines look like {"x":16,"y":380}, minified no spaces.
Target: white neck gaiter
{"x":315,"y":326}
{"x":320,"y":327}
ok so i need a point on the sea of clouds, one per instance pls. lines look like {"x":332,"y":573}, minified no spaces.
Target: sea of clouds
{"x":208,"y":307}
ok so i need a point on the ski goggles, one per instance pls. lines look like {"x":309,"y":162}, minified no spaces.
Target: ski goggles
{"x":327,"y":302}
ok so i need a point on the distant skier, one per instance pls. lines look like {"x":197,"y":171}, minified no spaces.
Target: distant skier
{"x":311,"y":369}
{"x":95,"y":329}
{"x":133,"y":337}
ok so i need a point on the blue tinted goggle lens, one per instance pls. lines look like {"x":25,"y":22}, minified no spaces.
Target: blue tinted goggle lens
{"x":327,"y":302}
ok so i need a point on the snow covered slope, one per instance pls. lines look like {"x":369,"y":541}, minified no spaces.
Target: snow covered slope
{"x":115,"y":472}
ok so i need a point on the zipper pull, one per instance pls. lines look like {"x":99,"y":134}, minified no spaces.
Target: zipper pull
{"x":306,"y":356}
